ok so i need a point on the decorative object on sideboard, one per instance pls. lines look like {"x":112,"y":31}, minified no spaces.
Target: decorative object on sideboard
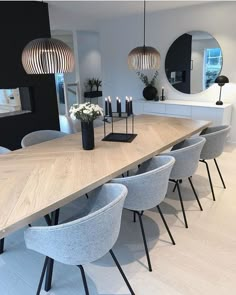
{"x":149,"y":92}
{"x":162,"y":97}
{"x":144,"y":57}
{"x":126,"y":114}
{"x":87,"y":113}
{"x":221,"y":80}
{"x":47,"y":56}
{"x":90,"y":84}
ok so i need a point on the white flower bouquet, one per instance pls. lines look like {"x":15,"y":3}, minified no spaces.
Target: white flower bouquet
{"x":86,"y":112}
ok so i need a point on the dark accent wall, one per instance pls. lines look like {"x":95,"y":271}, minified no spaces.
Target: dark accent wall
{"x":178,"y":59}
{"x":21,"y":22}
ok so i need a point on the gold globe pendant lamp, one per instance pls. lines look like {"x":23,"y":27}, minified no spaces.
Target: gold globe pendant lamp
{"x":47,"y":56}
{"x":144,"y":57}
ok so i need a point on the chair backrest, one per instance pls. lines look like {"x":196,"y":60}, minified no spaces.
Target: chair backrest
{"x":215,"y":141}
{"x":88,"y":238}
{"x":4,"y":150}
{"x":148,"y":187}
{"x":187,"y":155}
{"x":40,"y":136}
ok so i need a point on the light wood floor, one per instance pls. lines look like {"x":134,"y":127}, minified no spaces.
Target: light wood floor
{"x":202,"y":263}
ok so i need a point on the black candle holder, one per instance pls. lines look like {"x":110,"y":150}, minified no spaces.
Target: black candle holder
{"x":162,"y":97}
{"x":119,"y":137}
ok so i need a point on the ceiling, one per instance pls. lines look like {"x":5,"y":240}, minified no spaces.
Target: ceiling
{"x":85,"y":14}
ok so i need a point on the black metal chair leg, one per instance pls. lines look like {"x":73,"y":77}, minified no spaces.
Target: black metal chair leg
{"x":180,"y":181}
{"x":87,"y":196}
{"x":221,"y":177}
{"x":174,"y":188}
{"x":122,"y":273}
{"x":209,"y":177}
{"x":194,"y":191}
{"x":48,"y":281}
{"x":134,"y":213}
{"x":47,"y":219}
{"x":42,"y":275}
{"x":144,"y":240}
{"x":1,"y":245}
{"x":182,"y":204}
{"x":165,"y":223}
{"x":84,"y":279}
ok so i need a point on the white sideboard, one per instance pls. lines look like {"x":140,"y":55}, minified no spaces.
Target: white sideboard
{"x":186,"y":109}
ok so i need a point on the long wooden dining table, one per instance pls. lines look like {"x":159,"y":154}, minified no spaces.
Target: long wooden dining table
{"x":37,"y":180}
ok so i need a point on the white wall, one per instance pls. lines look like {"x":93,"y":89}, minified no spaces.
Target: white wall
{"x":89,"y":56}
{"x":67,"y":38}
{"x":118,"y":37}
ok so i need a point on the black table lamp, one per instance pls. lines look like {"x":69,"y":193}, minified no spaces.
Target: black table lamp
{"x":221,"y":80}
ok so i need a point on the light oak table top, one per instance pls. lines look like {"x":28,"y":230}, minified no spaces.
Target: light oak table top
{"x":39,"y":179}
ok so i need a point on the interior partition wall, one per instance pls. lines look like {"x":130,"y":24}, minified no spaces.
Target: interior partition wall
{"x":21,"y":22}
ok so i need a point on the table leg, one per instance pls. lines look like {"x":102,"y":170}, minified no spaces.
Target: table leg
{"x":1,"y":245}
{"x":48,"y":280}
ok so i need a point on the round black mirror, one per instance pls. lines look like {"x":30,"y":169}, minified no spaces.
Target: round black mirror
{"x":193,"y":62}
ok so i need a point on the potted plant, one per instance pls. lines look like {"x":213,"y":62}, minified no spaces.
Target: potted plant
{"x":150,"y":91}
{"x":97,"y":83}
{"x":86,"y":113}
{"x":90,"y":83}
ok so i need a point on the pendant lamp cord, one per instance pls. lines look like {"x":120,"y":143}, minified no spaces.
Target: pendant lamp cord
{"x":144,"y":21}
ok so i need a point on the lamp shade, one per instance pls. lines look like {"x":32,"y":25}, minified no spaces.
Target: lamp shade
{"x":144,"y":58}
{"x":221,"y":80}
{"x":47,"y":56}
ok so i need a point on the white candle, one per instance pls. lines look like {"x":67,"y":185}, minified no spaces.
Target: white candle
{"x":106,"y":102}
{"x":127,"y":105}
{"x":110,"y":108}
{"x":117,"y":104}
{"x":131,"y":105}
{"x":162,"y":91}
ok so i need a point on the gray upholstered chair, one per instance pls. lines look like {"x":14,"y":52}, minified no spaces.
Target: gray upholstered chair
{"x":147,"y":189}
{"x":187,"y":155}
{"x":86,"y":239}
{"x":213,"y":148}
{"x":40,"y":136}
{"x":3,"y":150}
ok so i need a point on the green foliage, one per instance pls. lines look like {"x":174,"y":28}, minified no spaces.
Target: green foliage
{"x":93,"y":82}
{"x":97,"y":83}
{"x":145,"y":80}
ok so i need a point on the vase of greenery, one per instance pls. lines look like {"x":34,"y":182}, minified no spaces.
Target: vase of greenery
{"x":86,"y":113}
{"x":149,"y":92}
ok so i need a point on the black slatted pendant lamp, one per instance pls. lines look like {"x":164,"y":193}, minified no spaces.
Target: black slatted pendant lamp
{"x":144,"y":57}
{"x":47,"y":56}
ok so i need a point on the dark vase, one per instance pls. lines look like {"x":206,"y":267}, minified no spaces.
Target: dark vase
{"x":150,"y":92}
{"x":87,"y":135}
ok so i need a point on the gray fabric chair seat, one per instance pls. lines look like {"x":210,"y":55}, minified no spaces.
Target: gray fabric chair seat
{"x":40,"y":136}
{"x":215,"y":142}
{"x":147,"y":189}
{"x":4,"y":150}
{"x":86,"y":239}
{"x":187,"y":155}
